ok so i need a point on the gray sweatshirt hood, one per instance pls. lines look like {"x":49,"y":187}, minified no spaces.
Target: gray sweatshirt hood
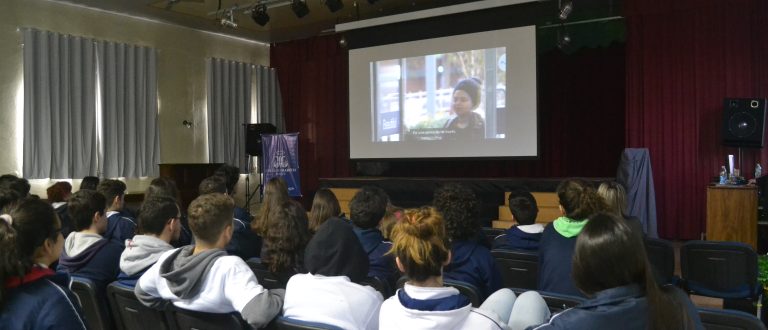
{"x":78,"y":242}
{"x":185,"y":273}
{"x":141,"y":252}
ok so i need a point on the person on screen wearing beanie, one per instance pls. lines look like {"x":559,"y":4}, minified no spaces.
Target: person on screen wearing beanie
{"x":467,"y":124}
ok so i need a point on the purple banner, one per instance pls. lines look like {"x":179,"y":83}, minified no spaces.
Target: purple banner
{"x":281,"y":159}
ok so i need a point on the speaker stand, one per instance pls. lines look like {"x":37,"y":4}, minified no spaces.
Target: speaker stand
{"x":260,"y":187}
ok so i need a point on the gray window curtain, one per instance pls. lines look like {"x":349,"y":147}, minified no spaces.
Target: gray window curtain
{"x":128,"y":88}
{"x":60,"y":137}
{"x":229,"y":107}
{"x":268,"y":102}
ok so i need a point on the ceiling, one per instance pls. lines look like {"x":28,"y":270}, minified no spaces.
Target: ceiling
{"x":283,"y":25}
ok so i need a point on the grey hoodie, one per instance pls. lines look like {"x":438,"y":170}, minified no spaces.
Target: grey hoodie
{"x":141,"y":252}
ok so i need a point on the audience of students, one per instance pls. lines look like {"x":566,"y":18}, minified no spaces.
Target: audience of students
{"x":89,"y":183}
{"x":58,"y":194}
{"x":202,"y":277}
{"x":329,"y":293}
{"x":244,"y":243}
{"x":324,"y":206}
{"x":420,"y":245}
{"x":32,"y":296}
{"x":610,"y":266}
{"x":527,"y":233}
{"x":470,"y":262}
{"x":120,"y":226}
{"x":159,"y":225}
{"x":286,"y":239}
{"x":275,"y":194}
{"x":366,"y":209}
{"x":578,"y":201}
{"x":616,"y":200}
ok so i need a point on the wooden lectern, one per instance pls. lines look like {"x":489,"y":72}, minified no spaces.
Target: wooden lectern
{"x":732,"y":214}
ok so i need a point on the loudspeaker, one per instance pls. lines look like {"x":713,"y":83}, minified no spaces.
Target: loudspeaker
{"x":253,"y":134}
{"x":744,"y":122}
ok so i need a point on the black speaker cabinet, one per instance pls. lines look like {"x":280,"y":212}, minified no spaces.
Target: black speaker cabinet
{"x":744,"y":122}
{"x":253,"y":134}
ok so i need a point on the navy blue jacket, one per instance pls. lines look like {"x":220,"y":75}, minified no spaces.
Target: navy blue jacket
{"x":44,"y":303}
{"x":120,"y":228}
{"x":555,"y":258}
{"x":624,"y":307}
{"x":99,"y":263}
{"x":473,"y":263}
{"x":516,"y":239}
{"x":244,"y":243}
{"x":380,"y":265}
{"x":66,"y":222}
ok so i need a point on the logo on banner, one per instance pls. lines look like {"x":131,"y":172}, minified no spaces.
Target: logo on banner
{"x":280,"y":160}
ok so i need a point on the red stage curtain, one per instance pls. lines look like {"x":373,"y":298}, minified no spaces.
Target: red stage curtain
{"x":683,"y":58}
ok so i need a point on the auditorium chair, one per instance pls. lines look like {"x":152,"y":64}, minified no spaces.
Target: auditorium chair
{"x":284,"y":323}
{"x":96,"y":311}
{"x":556,"y":302}
{"x":129,"y":313}
{"x":724,"y":319}
{"x":466,"y":289}
{"x":661,"y":255}
{"x":491,"y":233}
{"x":266,"y":278}
{"x":519,"y":269}
{"x":183,"y":319}
{"x":380,"y":285}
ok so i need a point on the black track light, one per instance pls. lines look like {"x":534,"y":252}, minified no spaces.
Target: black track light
{"x":300,"y":8}
{"x":334,"y":5}
{"x":259,"y":15}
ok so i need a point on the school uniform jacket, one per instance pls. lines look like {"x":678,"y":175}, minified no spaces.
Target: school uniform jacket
{"x":41,"y":300}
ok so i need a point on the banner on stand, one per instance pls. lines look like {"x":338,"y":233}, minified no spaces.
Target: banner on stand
{"x":281,"y":159}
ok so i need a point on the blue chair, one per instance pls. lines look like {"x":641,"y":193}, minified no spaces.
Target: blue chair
{"x":129,"y":313}
{"x":382,"y":286}
{"x":519,"y":269}
{"x":182,"y":319}
{"x":266,"y":278}
{"x":95,"y":310}
{"x":723,"y":319}
{"x":284,"y":323}
{"x":661,"y":256}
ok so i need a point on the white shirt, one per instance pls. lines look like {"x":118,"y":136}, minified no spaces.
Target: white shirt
{"x":332,"y":300}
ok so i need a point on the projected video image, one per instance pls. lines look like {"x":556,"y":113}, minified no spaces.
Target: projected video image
{"x":440,"y":97}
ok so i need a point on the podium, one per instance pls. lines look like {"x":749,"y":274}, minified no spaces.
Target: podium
{"x":732,"y":214}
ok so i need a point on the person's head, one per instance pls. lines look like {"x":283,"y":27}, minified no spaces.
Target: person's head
{"x":324,"y":206}
{"x":420,"y":244}
{"x":286,"y":237}
{"x":459,"y":208}
{"x":7,"y":178}
{"x":8,"y":198}
{"x":210,"y":219}
{"x":20,"y":185}
{"x":466,"y":96}
{"x":523,"y":206}
{"x":615,"y":197}
{"x":160,"y":216}
{"x":334,"y":250}
{"x":231,"y":175}
{"x":212,"y":184}
{"x":578,"y":199}
{"x":388,"y":221}
{"x":90,"y":183}
{"x":275,"y":194}
{"x":59,"y":192}
{"x":86,"y":208}
{"x":162,"y":187}
{"x":114,"y":192}
{"x":30,"y":234}
{"x":367,"y":207}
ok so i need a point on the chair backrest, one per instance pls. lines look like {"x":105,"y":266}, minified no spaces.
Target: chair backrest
{"x":129,"y":313}
{"x":468,"y":290}
{"x":719,"y":269}
{"x":661,"y":255}
{"x":491,"y":233}
{"x":725,"y":319}
{"x":266,"y":278}
{"x":519,"y":269}
{"x":182,"y":319}
{"x":284,"y":323}
{"x":556,"y":302}
{"x":96,"y":311}
{"x":382,"y":286}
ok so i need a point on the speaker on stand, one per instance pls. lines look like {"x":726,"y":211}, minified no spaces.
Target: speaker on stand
{"x":253,"y":148}
{"x":743,"y":124}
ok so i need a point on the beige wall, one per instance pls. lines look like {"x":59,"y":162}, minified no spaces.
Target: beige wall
{"x":181,"y":70}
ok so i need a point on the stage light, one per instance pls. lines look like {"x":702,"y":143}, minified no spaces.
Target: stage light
{"x":565,"y":10}
{"x":334,"y":5}
{"x":259,"y":15}
{"x":300,"y":8}
{"x":229,"y":20}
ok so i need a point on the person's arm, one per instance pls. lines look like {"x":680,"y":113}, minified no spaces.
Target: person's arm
{"x":257,"y":305}
{"x":62,"y":311}
{"x":146,"y":288}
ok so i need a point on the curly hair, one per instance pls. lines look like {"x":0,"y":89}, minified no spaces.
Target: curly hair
{"x":286,"y":238}
{"x":460,"y":208}
{"x":275,"y":194}
{"x":368,"y":206}
{"x":579,"y":199}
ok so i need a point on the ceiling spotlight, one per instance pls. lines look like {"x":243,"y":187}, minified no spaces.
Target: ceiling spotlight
{"x":259,"y":15}
{"x":300,"y":8}
{"x":334,"y":5}
{"x":229,"y":20}
{"x":563,"y":38}
{"x":565,"y":10}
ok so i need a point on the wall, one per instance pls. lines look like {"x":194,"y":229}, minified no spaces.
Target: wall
{"x":181,"y":71}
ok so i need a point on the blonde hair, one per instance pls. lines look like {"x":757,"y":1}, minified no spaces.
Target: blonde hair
{"x":391,"y":217}
{"x":420,"y":242}
{"x":615,"y":197}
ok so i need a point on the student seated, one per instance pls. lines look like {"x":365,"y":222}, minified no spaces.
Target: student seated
{"x":86,"y":252}
{"x":89,"y":183}
{"x":366,"y":210}
{"x":616,"y":199}
{"x":159,"y":225}
{"x":286,"y":239}
{"x":330,"y":294}
{"x":275,"y":194}
{"x":610,"y":266}
{"x":167,"y":187}
{"x":420,"y":246}
{"x":244,"y":243}
{"x":58,"y":194}
{"x":324,"y":206}
{"x":120,"y":226}
{"x":527,"y":233}
{"x":203,"y":277}
{"x":470,"y":262}
{"x":32,"y":296}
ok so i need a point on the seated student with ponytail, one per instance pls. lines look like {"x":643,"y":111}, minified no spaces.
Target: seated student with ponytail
{"x":610,"y":266}
{"x":420,"y":246}
{"x":578,"y":201}
{"x":32,"y":296}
